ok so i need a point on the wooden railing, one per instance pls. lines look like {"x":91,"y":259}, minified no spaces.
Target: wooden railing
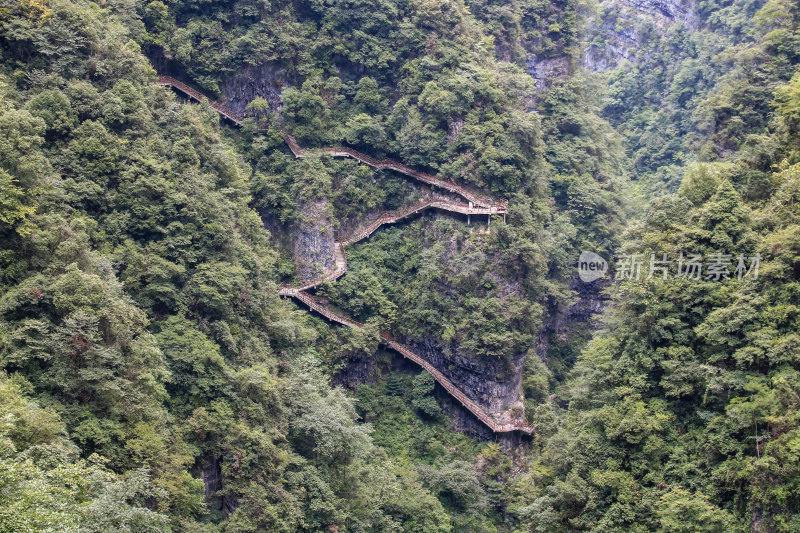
{"x":391,"y":217}
{"x":381,"y":164}
{"x":340,"y":260}
{"x":343,"y":151}
{"x":476,"y":206}
{"x":406,"y":352}
{"x":188,"y":91}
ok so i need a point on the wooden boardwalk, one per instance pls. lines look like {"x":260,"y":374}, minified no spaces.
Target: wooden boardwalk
{"x":497,"y":207}
{"x":476,"y":205}
{"x":406,"y":352}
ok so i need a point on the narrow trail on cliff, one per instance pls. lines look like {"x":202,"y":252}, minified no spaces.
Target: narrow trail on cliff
{"x":475,"y":205}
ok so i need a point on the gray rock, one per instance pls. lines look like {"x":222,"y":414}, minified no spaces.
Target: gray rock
{"x":313,"y":241}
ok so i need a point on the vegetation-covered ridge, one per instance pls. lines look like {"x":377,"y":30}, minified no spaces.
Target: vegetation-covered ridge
{"x":485,"y":207}
{"x":153,"y":379}
{"x":489,"y":206}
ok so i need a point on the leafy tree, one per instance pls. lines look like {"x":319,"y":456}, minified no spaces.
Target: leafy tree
{"x":422,"y":397}
{"x":47,"y":486}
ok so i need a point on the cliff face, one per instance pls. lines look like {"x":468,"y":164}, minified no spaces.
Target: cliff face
{"x":210,"y":471}
{"x":486,"y":381}
{"x":493,"y":383}
{"x":545,"y":69}
{"x":313,"y":240}
{"x":620,"y":27}
{"x":615,"y":33}
{"x":662,"y":11}
{"x":359,"y":368}
{"x":265,"y":81}
{"x":567,"y":320}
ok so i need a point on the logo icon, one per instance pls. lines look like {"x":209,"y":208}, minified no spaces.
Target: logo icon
{"x":591,"y":267}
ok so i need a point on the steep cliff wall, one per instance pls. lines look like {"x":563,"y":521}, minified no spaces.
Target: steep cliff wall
{"x":546,"y":69}
{"x":620,"y":27}
{"x":314,"y":240}
{"x":614,"y":33}
{"x":569,"y":324}
{"x":492,"y":382}
{"x":265,"y":81}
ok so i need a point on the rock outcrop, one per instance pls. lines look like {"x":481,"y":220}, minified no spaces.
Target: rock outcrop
{"x":615,"y":34}
{"x":572,"y":317}
{"x":622,"y":26}
{"x":265,"y":81}
{"x":545,"y":69}
{"x":313,"y":240}
{"x":492,"y":382}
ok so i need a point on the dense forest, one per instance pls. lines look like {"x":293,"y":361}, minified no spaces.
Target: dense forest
{"x":152,"y":379}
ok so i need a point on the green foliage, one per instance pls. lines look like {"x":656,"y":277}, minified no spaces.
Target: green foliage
{"x":702,"y":180}
{"x":137,"y":299}
{"x":681,"y":511}
{"x":137,"y":279}
{"x":678,"y":408}
{"x":12,"y":201}
{"x":46,"y":486}
{"x":699,"y":90}
{"x":422,"y":395}
{"x":305,"y":112}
